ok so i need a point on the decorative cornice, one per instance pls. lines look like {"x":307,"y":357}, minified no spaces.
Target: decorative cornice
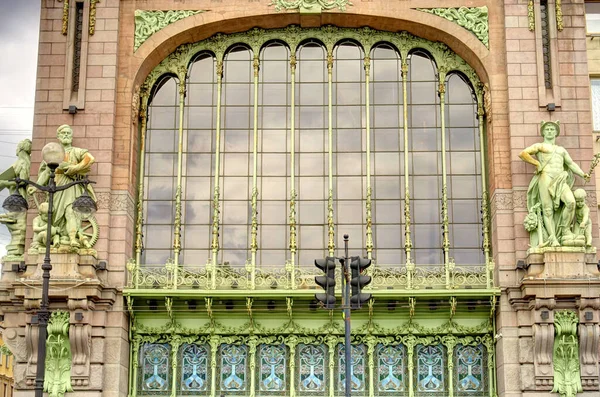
{"x":474,"y":19}
{"x":149,"y":22}
{"x":315,"y":6}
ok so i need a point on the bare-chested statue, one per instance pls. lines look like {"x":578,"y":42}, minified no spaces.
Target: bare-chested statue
{"x":551,"y":186}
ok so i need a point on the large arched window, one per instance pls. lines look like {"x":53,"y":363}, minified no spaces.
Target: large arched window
{"x":287,"y":146}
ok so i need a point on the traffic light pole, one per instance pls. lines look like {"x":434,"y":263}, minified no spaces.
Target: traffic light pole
{"x":348,"y":349}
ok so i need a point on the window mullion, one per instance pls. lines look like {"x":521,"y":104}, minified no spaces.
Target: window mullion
{"x":293,"y":243}
{"x":331,"y":230}
{"x":369,"y":227}
{"x":445,"y":229}
{"x":216,"y":194}
{"x":254,"y":230}
{"x":140,"y":208}
{"x":484,"y":195}
{"x":177,"y":223}
{"x":407,"y":222}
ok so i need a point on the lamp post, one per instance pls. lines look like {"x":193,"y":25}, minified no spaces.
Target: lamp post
{"x":53,"y":154}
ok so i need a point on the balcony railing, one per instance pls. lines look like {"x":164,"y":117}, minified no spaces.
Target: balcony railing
{"x":209,"y":277}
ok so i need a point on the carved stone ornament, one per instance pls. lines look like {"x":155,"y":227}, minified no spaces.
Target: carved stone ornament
{"x":474,"y":19}
{"x":315,"y":6}
{"x":58,"y":356}
{"x":80,"y":338}
{"x":149,"y":22}
{"x":567,"y":378}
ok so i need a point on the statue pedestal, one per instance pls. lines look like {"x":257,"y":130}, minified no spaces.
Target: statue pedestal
{"x":67,"y":266}
{"x":560,"y":271}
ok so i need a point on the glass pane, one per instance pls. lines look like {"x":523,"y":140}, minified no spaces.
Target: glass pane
{"x":313,"y":369}
{"x":194,"y":369}
{"x":272,"y":368}
{"x":233,"y":371}
{"x":156,"y":368}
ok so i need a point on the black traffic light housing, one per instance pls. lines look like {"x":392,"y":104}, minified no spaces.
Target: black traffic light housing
{"x":327,"y":282}
{"x":358,"y":281}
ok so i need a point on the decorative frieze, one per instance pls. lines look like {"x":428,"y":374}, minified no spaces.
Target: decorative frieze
{"x":313,"y":6}
{"x":474,"y":19}
{"x":149,"y":22}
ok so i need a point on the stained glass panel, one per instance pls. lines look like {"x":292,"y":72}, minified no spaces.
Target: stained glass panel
{"x":233,"y":368}
{"x":155,"y":373}
{"x":431,"y":364}
{"x":391,"y":369}
{"x":194,"y":369}
{"x":273,"y":368}
{"x":312,"y":378}
{"x":357,"y":369}
{"x":470,"y":375}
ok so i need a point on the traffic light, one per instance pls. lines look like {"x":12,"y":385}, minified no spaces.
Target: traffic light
{"x":327,"y":281}
{"x":358,"y":281}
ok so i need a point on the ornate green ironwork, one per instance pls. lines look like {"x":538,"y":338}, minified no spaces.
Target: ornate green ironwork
{"x":176,"y":64}
{"x":310,"y":5}
{"x":57,"y":380}
{"x":149,"y":22}
{"x":474,"y":19}
{"x":567,"y":376}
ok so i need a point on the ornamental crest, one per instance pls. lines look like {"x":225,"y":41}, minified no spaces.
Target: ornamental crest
{"x":310,"y":6}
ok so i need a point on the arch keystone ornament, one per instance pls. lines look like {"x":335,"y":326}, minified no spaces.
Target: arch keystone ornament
{"x":149,"y":22}
{"x":474,"y":19}
{"x":310,"y":6}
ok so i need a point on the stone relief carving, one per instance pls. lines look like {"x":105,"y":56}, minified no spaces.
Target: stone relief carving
{"x":589,"y":342}
{"x":80,"y":337}
{"x":57,"y":378}
{"x":149,"y":22}
{"x":473,"y":19}
{"x":543,"y":337}
{"x":551,"y":203}
{"x":567,"y":378}
{"x":310,"y":5}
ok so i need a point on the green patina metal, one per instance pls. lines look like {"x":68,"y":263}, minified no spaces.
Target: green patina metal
{"x":429,"y":304}
{"x":310,"y":6}
{"x":4,"y":350}
{"x":474,"y":19}
{"x":149,"y":22}
{"x":57,"y":379}
{"x":567,"y":376}
{"x":446,"y":61}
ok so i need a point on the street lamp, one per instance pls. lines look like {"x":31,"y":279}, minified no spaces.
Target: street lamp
{"x":53,"y":154}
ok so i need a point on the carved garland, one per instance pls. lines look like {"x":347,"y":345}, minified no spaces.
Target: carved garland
{"x":310,"y":5}
{"x":474,"y":19}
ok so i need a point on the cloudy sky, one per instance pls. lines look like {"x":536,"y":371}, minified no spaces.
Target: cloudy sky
{"x":19,"y":34}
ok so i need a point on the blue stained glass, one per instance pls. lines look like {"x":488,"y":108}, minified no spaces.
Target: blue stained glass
{"x":194,"y":368}
{"x":357,"y":368}
{"x":391,"y":368}
{"x":233,"y":368}
{"x":312,"y":368}
{"x":155,"y":371}
{"x":469,"y":369}
{"x":430,"y":369}
{"x":272,"y":368}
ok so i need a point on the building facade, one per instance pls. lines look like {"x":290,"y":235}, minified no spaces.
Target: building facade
{"x":235,"y":142}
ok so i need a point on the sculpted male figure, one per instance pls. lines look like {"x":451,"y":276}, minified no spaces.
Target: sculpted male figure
{"x":551,"y":184}
{"x":76,"y":165}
